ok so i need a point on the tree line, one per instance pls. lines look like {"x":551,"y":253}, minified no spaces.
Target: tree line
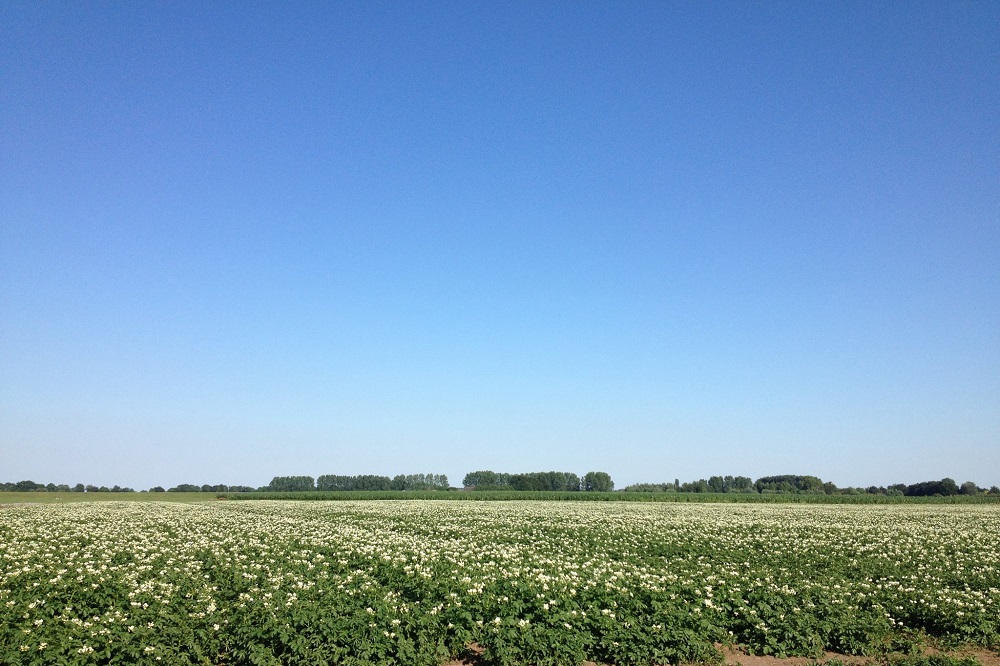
{"x":360,"y":482}
{"x":559,"y":481}
{"x":31,"y":486}
{"x":810,"y":485}
{"x":541,"y":481}
{"x":277,"y":484}
{"x":482,"y":480}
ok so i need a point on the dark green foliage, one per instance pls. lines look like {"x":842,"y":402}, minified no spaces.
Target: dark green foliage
{"x":291,"y":484}
{"x":945,"y":487}
{"x":371,"y":482}
{"x":598,"y":482}
{"x":790,"y":483}
{"x":553,"y":481}
{"x":527,"y":481}
{"x":420,"y":482}
{"x":486,"y":478}
{"x":364,"y":482}
{"x":650,"y":488}
{"x":970,"y":488}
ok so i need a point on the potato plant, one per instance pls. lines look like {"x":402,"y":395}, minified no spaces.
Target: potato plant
{"x":419,"y":582}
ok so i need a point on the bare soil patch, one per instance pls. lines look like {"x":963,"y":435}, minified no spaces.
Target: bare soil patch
{"x":736,"y":657}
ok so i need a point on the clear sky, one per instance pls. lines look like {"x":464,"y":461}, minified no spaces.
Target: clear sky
{"x":662,"y":240}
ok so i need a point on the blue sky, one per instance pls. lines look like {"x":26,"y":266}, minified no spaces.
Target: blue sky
{"x":662,"y":240}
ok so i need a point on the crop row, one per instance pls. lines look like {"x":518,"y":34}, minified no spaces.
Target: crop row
{"x":620,"y":496}
{"x":417,"y":582}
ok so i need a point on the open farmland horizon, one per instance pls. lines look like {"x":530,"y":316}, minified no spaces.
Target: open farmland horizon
{"x":657,"y":239}
{"x":785,"y":484}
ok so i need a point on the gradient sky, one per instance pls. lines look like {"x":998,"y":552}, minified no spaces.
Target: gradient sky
{"x":663,"y":240}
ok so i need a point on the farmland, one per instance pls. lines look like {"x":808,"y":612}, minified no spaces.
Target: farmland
{"x":419,"y":582}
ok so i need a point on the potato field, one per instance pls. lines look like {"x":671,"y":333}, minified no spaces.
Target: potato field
{"x":520,"y":582}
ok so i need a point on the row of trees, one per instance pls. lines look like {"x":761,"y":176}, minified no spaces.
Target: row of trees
{"x":361,"y":482}
{"x":788,"y":483}
{"x":810,"y":485}
{"x":944,"y":487}
{"x":560,"y":481}
{"x":555,"y":481}
{"x":278,"y":484}
{"x":373,"y":482}
{"x":205,"y":488}
{"x":31,"y":486}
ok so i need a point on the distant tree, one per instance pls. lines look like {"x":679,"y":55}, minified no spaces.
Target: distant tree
{"x":545,"y":481}
{"x":184,"y":488}
{"x":486,"y":479}
{"x":994,"y":490}
{"x":552,"y":481}
{"x":523,"y":482}
{"x":375,"y":482}
{"x":292,"y":483}
{"x":79,"y":488}
{"x":599,"y":482}
{"x":217,"y":488}
{"x":944,"y":487}
{"x":922,"y":489}
{"x":650,"y":488}
{"x":717,"y":484}
{"x":699,"y":486}
{"x":157,"y":489}
{"x":790,"y":483}
{"x":363,"y":482}
{"x":334,"y":482}
{"x":92,"y":488}
{"x":563,"y":481}
{"x":969,"y":488}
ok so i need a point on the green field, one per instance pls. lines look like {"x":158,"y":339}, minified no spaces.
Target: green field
{"x":421,"y":582}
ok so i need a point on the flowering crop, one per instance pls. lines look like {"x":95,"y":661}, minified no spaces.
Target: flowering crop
{"x":416,"y":582}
